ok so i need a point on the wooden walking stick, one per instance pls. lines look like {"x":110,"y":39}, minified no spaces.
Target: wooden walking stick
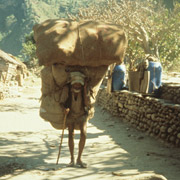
{"x":64,"y":123}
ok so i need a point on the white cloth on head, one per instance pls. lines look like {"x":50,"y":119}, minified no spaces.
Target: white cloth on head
{"x":77,"y":77}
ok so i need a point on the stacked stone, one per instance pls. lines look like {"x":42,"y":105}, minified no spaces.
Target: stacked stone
{"x":155,"y":116}
{"x":105,"y":100}
{"x":171,"y":92}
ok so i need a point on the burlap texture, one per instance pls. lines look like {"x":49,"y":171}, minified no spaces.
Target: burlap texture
{"x":87,"y":43}
{"x":47,"y":81}
{"x":59,"y":74}
{"x":50,"y":110}
{"x":54,"y":90}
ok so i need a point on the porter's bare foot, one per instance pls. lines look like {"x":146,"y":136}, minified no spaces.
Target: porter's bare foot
{"x":81,"y":164}
{"x":71,"y":164}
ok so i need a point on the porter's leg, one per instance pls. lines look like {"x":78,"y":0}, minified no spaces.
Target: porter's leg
{"x":83,"y":129}
{"x":71,"y":143}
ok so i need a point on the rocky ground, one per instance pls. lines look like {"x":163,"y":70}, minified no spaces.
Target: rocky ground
{"x":114,"y":150}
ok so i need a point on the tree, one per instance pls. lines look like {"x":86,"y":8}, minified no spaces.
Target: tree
{"x":151,"y":28}
{"x":29,"y":51}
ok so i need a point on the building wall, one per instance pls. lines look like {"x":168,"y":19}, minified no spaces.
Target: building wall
{"x":3,"y":70}
{"x":7,"y":71}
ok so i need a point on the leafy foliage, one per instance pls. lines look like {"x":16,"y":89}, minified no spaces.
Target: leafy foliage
{"x":151,"y":28}
{"x":29,"y":51}
{"x":169,"y":44}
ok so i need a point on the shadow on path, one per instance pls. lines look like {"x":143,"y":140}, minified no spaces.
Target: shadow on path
{"x":143,"y":153}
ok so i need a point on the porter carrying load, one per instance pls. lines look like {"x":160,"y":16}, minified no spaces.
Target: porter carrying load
{"x":55,"y":89}
{"x":66,"y":46}
{"x":76,"y":56}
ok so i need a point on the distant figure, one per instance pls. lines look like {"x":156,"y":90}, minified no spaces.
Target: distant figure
{"x":118,"y":77}
{"x":155,"y":69}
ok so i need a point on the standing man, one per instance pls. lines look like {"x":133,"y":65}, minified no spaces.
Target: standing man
{"x":78,"y":114}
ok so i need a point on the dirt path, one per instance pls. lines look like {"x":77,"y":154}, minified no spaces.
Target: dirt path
{"x":29,"y":146}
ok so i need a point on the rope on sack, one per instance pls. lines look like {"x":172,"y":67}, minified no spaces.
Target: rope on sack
{"x":59,"y":88}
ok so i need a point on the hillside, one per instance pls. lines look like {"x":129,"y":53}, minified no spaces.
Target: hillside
{"x":18,"y":18}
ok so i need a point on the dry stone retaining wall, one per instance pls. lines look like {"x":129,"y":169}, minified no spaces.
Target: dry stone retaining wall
{"x":158,"y":117}
{"x":171,"y":92}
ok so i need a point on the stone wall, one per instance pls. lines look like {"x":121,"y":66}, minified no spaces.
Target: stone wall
{"x":171,"y":92}
{"x":158,"y":117}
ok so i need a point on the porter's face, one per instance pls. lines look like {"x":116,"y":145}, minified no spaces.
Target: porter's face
{"x":76,"y":87}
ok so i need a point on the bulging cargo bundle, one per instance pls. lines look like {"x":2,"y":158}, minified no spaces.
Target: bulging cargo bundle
{"x":55,"y":82}
{"x":84,"y":43}
{"x":50,"y":109}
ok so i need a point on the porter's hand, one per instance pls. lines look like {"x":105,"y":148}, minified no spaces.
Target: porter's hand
{"x":66,"y":111}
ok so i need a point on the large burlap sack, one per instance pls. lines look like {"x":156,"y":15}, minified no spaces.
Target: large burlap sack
{"x":86,"y":43}
{"x":50,"y":109}
{"x":47,"y":81}
{"x":60,"y":74}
